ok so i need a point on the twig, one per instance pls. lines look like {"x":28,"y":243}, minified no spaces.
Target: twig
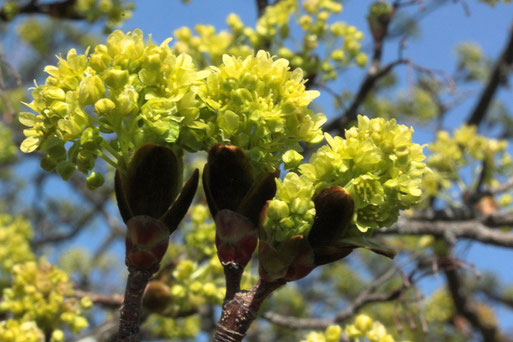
{"x":261,"y":6}
{"x":239,"y":312}
{"x":497,"y":76}
{"x":475,"y":229}
{"x":130,"y":313}
{"x":464,"y":304}
{"x":62,"y":9}
{"x":110,"y":301}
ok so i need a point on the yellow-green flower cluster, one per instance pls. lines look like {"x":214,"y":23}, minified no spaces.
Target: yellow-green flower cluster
{"x":275,"y":19}
{"x":378,"y":165}
{"x":208,"y":46}
{"x":272,"y":33}
{"x":42,"y":293}
{"x":364,"y":327}
{"x":450,"y":154}
{"x":114,"y":12}
{"x":128,"y":90}
{"x":333,"y":333}
{"x":174,"y":328}
{"x":200,"y":237}
{"x":13,"y":330}
{"x":472,"y":64}
{"x":292,"y":212}
{"x":420,"y":105}
{"x":259,"y":105}
{"x":15,"y":236}
{"x":193,"y":286}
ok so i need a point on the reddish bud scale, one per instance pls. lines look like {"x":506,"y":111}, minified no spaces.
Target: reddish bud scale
{"x":236,"y":237}
{"x":146,"y":242}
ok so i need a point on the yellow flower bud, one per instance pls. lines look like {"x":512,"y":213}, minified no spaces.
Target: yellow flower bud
{"x":333,"y":333}
{"x":104,"y":106}
{"x":116,"y":78}
{"x":91,"y":90}
{"x":363,"y":322}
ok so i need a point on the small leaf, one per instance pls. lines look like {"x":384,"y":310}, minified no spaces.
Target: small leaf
{"x":175,"y":214}
{"x":124,"y":209}
{"x":263,"y":189}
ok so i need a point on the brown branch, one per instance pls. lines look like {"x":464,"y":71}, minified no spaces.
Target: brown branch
{"x":497,"y":77}
{"x":366,"y":87}
{"x":367,"y":296}
{"x":109,"y":301}
{"x":239,"y":312}
{"x":497,"y":297}
{"x":374,"y":73}
{"x":131,"y":313}
{"x":61,"y":10}
{"x":261,"y":6}
{"x":465,"y":305}
{"x":475,"y":229}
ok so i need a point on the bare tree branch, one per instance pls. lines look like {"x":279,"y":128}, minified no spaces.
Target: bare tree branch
{"x":500,"y":71}
{"x":57,"y":9}
{"x":465,"y":306}
{"x":476,"y":229}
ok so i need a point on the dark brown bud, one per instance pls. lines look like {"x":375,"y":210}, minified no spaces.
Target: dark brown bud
{"x":152,"y":182}
{"x":227,"y":177}
{"x":157,"y":297}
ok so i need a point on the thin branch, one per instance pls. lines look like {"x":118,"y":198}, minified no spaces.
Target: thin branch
{"x":261,"y":6}
{"x":367,"y":296}
{"x":500,"y":71}
{"x":465,"y":306}
{"x":475,"y":229}
{"x":109,"y":301}
{"x":58,"y":9}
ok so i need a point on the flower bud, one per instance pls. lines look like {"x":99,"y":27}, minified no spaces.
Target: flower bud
{"x":338,"y":55}
{"x":54,"y":93}
{"x":277,"y":209}
{"x":99,"y":61}
{"x":94,"y":180}
{"x":157,"y":297}
{"x":104,"y":106}
{"x":116,"y":78}
{"x":363,"y":323}
{"x":85,"y":160}
{"x":91,"y":139}
{"x":361,"y":59}
{"x":91,"y":90}
{"x":65,"y":169}
{"x":48,"y":163}
{"x":333,"y":333}
{"x":233,"y":20}
{"x":183,"y":33}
